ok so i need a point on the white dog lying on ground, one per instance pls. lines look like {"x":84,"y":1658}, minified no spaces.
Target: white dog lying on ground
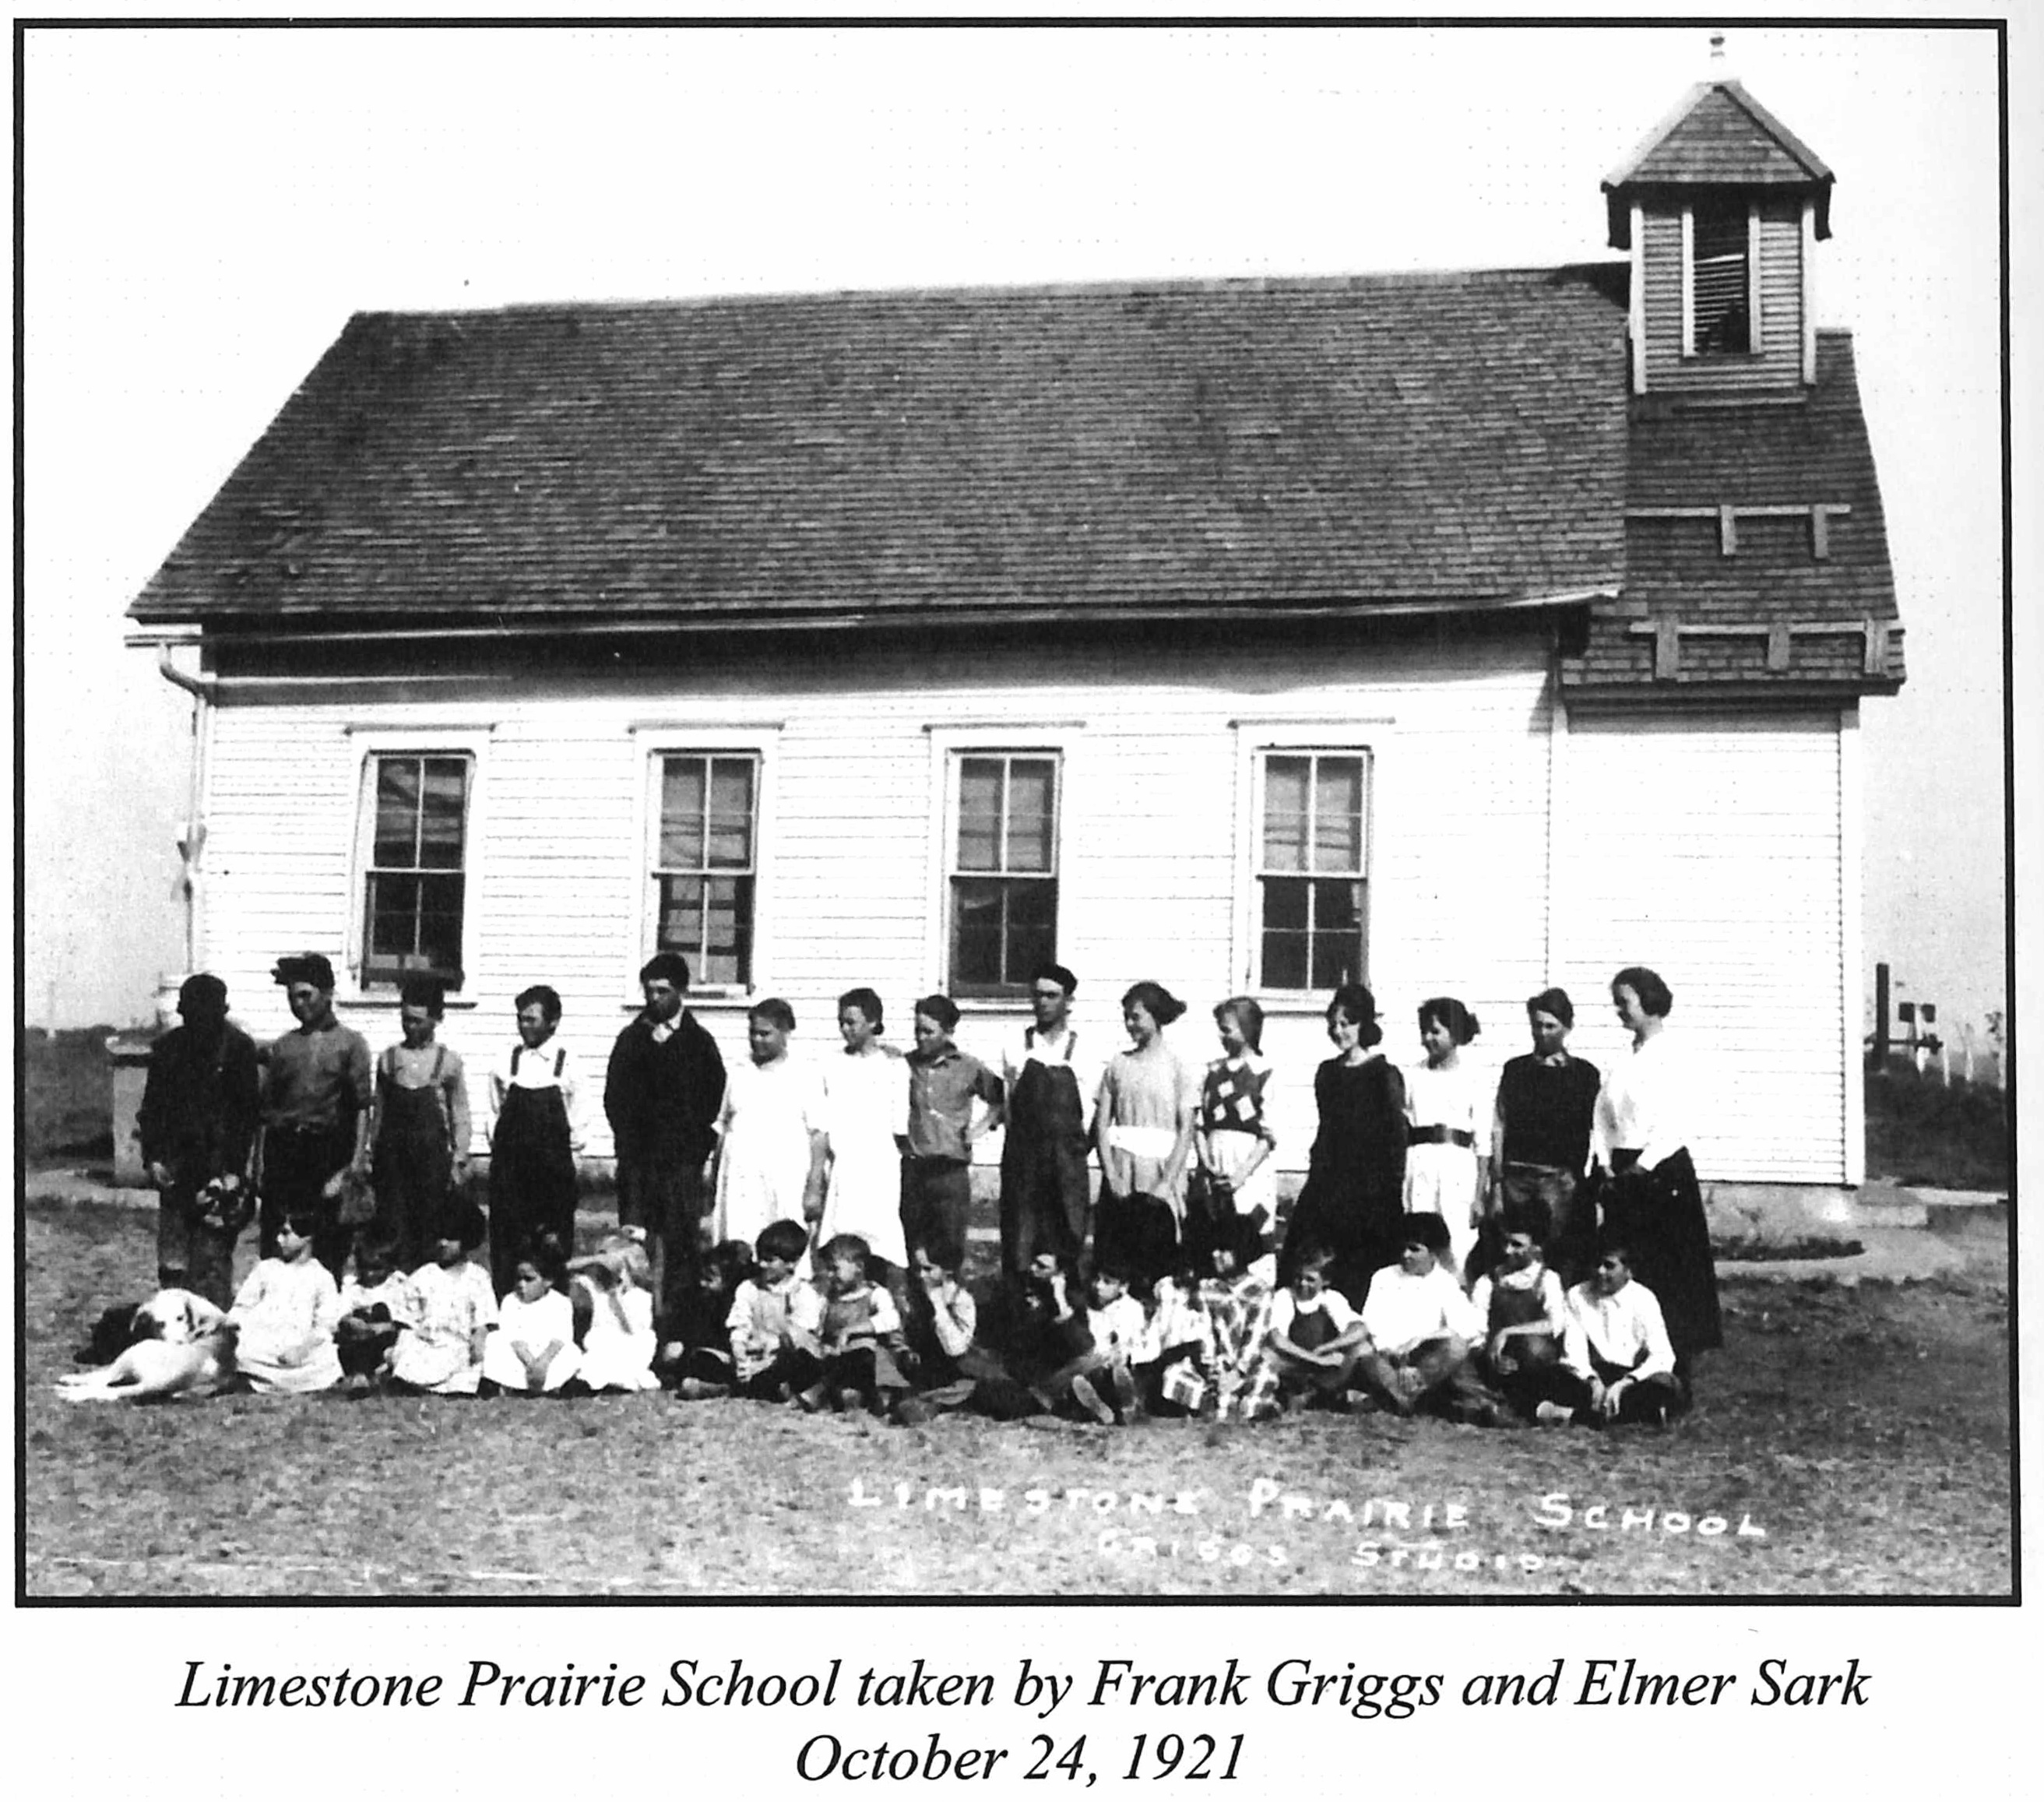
{"x":184,"y":1346}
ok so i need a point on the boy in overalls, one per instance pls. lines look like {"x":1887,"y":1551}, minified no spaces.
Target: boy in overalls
{"x":1045,"y":1195}
{"x":420,"y":1133}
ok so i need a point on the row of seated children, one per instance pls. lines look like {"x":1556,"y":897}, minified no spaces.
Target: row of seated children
{"x":1225,"y":1343}
{"x":439,"y":1330}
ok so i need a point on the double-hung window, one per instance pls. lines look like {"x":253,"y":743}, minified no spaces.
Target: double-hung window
{"x":705,"y":862}
{"x":1312,"y":869}
{"x":415,"y":877}
{"x":1003,"y":877}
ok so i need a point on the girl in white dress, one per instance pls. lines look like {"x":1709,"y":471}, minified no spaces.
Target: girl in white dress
{"x":285,"y":1315}
{"x":865,"y":1111}
{"x":770,"y":1137}
{"x":532,"y":1351}
{"x":450,"y":1308}
{"x":1448,"y":1106}
{"x":618,"y":1344}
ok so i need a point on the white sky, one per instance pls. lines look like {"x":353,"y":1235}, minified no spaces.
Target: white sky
{"x":205,"y":209}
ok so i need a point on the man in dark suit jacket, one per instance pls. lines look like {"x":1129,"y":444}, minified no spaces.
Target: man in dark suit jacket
{"x":200,"y":1107}
{"x":661,"y":1094}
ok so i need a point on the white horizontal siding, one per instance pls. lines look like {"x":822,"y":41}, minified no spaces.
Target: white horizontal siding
{"x":1709,"y":849}
{"x":1148,"y":882}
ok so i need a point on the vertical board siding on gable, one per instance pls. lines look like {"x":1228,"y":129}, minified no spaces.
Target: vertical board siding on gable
{"x":1780,"y":364}
{"x":1708,"y":850}
{"x":1148,"y":843}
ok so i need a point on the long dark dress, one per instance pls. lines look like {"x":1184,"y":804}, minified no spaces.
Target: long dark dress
{"x":1353,"y":1196}
{"x":1643,"y":1108}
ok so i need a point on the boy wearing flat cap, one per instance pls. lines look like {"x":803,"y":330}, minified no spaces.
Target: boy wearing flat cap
{"x":200,"y":1104}
{"x":316,"y":1094}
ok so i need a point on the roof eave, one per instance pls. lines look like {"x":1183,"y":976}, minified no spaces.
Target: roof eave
{"x":150,"y":630}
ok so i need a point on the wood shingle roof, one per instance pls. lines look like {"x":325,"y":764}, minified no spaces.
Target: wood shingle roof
{"x":1453,"y":439}
{"x":1457,"y":442}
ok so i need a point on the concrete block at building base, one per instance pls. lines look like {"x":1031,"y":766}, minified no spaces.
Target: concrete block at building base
{"x":129,"y":1053}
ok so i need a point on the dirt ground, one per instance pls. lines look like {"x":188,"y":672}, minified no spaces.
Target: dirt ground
{"x":1847,"y":1442}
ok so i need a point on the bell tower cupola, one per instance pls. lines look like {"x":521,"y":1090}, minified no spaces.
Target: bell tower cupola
{"x":1721,"y":207}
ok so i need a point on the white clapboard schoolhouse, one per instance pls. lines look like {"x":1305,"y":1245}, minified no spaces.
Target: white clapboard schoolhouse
{"x":1463,"y":633}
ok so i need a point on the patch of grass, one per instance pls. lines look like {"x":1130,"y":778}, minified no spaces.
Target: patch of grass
{"x":1918,"y":1131}
{"x":1861,"y":1436}
{"x":67,"y":1094}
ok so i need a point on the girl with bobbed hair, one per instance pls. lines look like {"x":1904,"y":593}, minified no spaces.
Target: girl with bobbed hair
{"x":1236,"y":1178}
{"x":1354,"y":1193}
{"x":1448,"y":1108}
{"x":1143,"y":1129}
{"x":1646,"y":1112}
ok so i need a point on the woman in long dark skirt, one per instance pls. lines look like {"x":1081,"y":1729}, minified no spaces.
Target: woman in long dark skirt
{"x":1651,"y":1198}
{"x":1354,"y":1198}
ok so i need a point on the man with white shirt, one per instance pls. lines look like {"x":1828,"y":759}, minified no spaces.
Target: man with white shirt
{"x":1421,"y":1332}
{"x":1615,"y":1345}
{"x":1051,"y":1082}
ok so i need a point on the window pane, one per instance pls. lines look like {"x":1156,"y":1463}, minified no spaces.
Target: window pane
{"x":1284,"y":935}
{"x":976,"y":933}
{"x":681,"y":923}
{"x":440,"y":924}
{"x":1337,"y":956}
{"x":444,"y":790}
{"x":393,"y":909}
{"x":1285,"y":960}
{"x":1338,"y":814}
{"x":1285,"y":904}
{"x":681,"y":813}
{"x":1032,"y":792}
{"x":726,"y":952}
{"x":1285,"y":781}
{"x":979,"y":813}
{"x":397,"y":814}
{"x":730,"y":813}
{"x":1032,"y":928}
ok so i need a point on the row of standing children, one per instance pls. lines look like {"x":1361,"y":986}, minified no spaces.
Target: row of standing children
{"x":876,"y":1149}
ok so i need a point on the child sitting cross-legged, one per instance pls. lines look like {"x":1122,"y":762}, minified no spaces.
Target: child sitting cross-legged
{"x":1524,"y":1315}
{"x":696,"y":1356}
{"x":532,"y":1351}
{"x":1313,"y":1343}
{"x":443,"y":1331}
{"x":860,"y":1331}
{"x":1421,"y":1330}
{"x":1099,"y":1380}
{"x":1616,"y":1350}
{"x":284,"y":1317}
{"x":774,"y":1319}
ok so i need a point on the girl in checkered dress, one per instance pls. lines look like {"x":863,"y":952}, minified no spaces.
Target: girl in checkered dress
{"x":1234,"y":1141}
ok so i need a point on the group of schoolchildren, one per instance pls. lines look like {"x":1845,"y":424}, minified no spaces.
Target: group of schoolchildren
{"x":830,"y":1273}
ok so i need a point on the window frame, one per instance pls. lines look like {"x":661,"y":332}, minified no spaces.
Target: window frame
{"x":1257,"y":741}
{"x":651,"y":743}
{"x":950,"y":746}
{"x":368,"y":747}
